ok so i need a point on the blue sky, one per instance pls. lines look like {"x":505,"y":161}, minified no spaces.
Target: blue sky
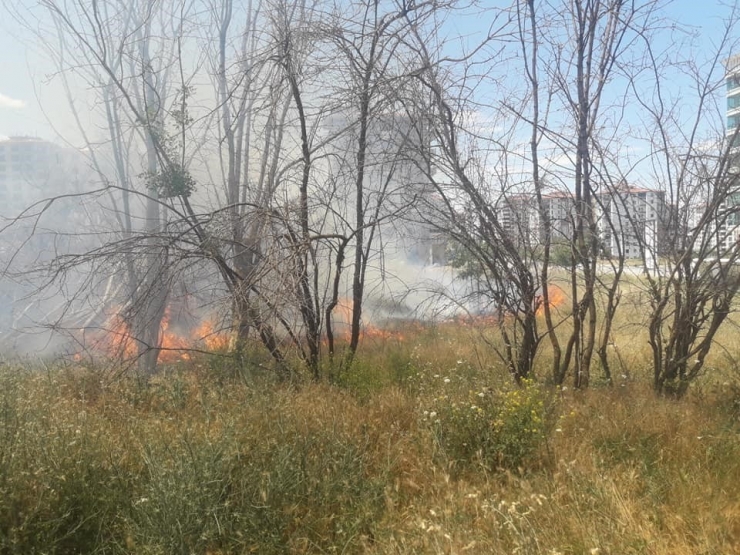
{"x":23,"y":75}
{"x":32,"y":101}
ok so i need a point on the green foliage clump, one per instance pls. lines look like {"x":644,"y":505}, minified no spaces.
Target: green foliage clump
{"x":170,"y":182}
{"x":494,"y":429}
{"x":367,"y":376}
{"x":561,"y":254}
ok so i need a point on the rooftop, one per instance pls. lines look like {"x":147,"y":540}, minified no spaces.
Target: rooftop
{"x":732,"y":63}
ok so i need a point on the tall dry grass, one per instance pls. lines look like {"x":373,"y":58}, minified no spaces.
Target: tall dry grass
{"x":204,"y":461}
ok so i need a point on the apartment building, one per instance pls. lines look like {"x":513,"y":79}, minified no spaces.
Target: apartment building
{"x":32,"y":169}
{"x":560,"y":207}
{"x":631,"y":221}
{"x":519,"y":218}
{"x":728,"y":228}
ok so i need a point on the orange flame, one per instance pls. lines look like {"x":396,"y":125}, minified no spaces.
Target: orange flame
{"x":172,"y":346}
{"x":115,"y":340}
{"x":342,"y":322}
{"x":556,"y":298}
{"x":212,"y":339}
{"x":372,"y":332}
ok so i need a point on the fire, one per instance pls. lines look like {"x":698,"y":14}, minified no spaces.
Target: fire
{"x":343,"y":312}
{"x":342,"y":322}
{"x":115,"y":340}
{"x":373,"y":332}
{"x":173,"y":346}
{"x":556,"y":298}
{"x":178,"y":340}
{"x":212,"y":339}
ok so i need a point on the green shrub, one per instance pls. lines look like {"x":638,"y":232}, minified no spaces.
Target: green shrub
{"x":497,"y":430}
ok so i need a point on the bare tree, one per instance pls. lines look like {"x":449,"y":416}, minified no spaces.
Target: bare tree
{"x":329,"y":127}
{"x":269,"y":213}
{"x":478,"y":200}
{"x":116,"y":50}
{"x":133,"y":55}
{"x":578,"y":59}
{"x":695,"y":160}
{"x":585,"y":49}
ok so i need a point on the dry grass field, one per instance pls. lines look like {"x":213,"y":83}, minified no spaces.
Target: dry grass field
{"x":424,"y":446}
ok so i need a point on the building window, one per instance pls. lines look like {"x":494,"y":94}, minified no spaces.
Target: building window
{"x":733,"y":121}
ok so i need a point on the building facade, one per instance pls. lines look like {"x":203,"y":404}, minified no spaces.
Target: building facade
{"x":560,"y":207}
{"x":727,"y":228}
{"x":518,"y":217}
{"x":631,"y":221}
{"x":32,"y":169}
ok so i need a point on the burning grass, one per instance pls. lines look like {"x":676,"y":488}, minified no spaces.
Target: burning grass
{"x":114,"y":339}
{"x":180,"y":338}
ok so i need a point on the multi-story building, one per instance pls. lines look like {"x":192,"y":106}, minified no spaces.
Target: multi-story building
{"x":397,"y":191}
{"x":518,"y":216}
{"x":560,"y":207}
{"x":727,"y":229}
{"x":630,"y":221}
{"x":732,"y":81}
{"x":32,"y":169}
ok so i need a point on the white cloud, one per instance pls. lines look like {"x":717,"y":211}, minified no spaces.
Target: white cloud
{"x":7,"y":102}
